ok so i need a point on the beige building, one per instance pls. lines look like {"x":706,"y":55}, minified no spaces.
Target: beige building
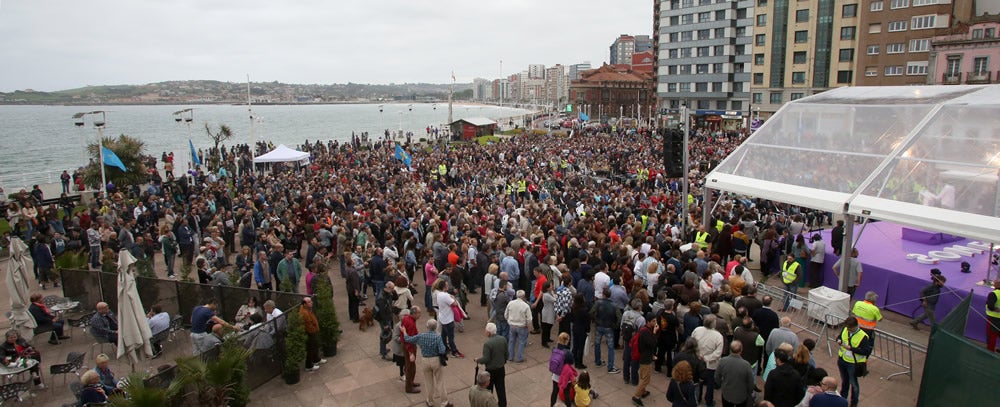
{"x":896,"y":35}
{"x":801,"y":47}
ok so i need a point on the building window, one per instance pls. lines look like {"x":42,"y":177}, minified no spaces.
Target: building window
{"x":704,"y":34}
{"x":717,"y":67}
{"x":685,"y":69}
{"x":716,"y":86}
{"x":953,"y":68}
{"x":672,"y":70}
{"x":796,"y":96}
{"x":671,"y":87}
{"x":845,"y":76}
{"x":799,"y":57}
{"x":738,"y":67}
{"x":701,"y":87}
{"x":798,"y":77}
{"x":776,"y":98}
{"x":686,"y":36}
{"x":916,"y":68}
{"x":686,"y":52}
{"x":672,"y":37}
{"x":675,"y":104}
{"x":741,"y":49}
{"x":672,"y":53}
{"x":719,"y":50}
{"x":980,"y":66}
{"x":742,"y":13}
{"x":757,"y":98}
{"x":720,"y":105}
{"x":674,"y":21}
{"x":990,"y":32}
{"x":720,"y":15}
{"x":977,"y":34}
{"x":761,"y":3}
{"x":684,"y":87}
{"x":703,"y":104}
{"x":850,"y":10}
{"x":702,"y":51}
{"x":761,"y":20}
{"x":741,"y":31}
{"x":847,"y":33}
{"x":802,"y":16}
{"x":924,"y":2}
{"x":893,"y":70}
{"x":897,"y":26}
{"x":758,"y":59}
{"x":737,"y":104}
{"x":922,"y":22}
{"x":801,"y":36}
{"x":873,"y":49}
{"x":896,"y":48}
{"x":760,"y":40}
{"x":847,"y":55}
{"x":704,"y":17}
{"x":871,"y":71}
{"x":894,"y":4}
{"x":876,"y":6}
{"x":758,"y":78}
{"x":874,"y":28}
{"x":920,"y":45}
{"x":687,"y":19}
{"x":719,"y":32}
{"x":701,"y":68}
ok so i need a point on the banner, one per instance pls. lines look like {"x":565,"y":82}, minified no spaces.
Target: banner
{"x":110,"y":158}
{"x":194,"y":154}
{"x":403,"y":156}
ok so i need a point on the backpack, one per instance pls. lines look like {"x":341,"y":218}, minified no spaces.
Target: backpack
{"x":628,"y":326}
{"x":634,"y":344}
{"x":564,"y":299}
{"x":557,"y":360}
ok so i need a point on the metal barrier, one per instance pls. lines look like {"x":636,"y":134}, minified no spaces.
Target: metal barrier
{"x":895,"y":350}
{"x":806,"y":315}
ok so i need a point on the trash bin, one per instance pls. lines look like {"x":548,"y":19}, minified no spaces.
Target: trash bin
{"x":837,"y":303}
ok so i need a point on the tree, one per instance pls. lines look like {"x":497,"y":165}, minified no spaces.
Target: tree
{"x":218,"y":137}
{"x":129,"y":150}
{"x":217,"y":383}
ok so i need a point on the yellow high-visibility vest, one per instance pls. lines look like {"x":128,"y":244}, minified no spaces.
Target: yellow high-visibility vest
{"x":701,"y":238}
{"x":868,"y":314}
{"x":522,"y":186}
{"x":789,"y":271}
{"x":994,"y":314}
{"x":855,"y":342}
{"x":442,"y":169}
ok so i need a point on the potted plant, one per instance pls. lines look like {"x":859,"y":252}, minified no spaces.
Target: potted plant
{"x":139,"y":395}
{"x":295,"y":347}
{"x":326,"y":313}
{"x":216,"y":383}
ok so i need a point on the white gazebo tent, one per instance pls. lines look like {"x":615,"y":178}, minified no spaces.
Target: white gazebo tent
{"x":282,"y":154}
{"x":921,"y":156}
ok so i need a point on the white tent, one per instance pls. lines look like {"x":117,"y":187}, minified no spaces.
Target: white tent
{"x":922,"y":156}
{"x":282,"y":154}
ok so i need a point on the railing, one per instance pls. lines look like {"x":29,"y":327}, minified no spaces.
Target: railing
{"x":806,"y":315}
{"x":15,"y":182}
{"x":978,"y":77}
{"x":895,"y":350}
{"x":953,"y":78}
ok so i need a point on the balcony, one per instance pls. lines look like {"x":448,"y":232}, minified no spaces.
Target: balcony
{"x":951,"y":78}
{"x":978,"y":77}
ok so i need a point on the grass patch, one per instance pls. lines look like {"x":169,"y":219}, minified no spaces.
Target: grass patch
{"x":484,"y":140}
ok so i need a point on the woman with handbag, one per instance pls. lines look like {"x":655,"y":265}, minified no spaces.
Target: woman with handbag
{"x":681,"y":390}
{"x":15,"y":347}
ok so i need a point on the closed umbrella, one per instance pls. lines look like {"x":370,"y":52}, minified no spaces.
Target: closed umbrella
{"x":17,"y":288}
{"x":133,"y":327}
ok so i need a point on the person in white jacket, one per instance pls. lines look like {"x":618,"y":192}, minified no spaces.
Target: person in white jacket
{"x":710,"y":343}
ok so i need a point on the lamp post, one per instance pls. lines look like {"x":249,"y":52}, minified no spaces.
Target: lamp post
{"x":381,"y":124}
{"x":99,"y":124}
{"x":186,"y":116}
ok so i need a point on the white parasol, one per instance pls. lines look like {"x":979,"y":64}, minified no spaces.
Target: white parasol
{"x":17,"y":287}
{"x":133,"y":327}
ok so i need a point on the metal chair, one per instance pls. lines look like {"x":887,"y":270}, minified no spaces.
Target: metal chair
{"x":14,"y":391}
{"x":175,"y":326}
{"x":74,"y":362}
{"x":101,"y":341}
{"x":159,"y":339}
{"x":83,"y":321}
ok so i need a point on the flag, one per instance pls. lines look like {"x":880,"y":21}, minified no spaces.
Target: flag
{"x":194,"y":154}
{"x":452,"y":76}
{"x":584,"y":117}
{"x":403,"y":156}
{"x":110,"y":158}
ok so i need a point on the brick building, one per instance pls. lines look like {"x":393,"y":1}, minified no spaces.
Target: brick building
{"x":608,"y":92}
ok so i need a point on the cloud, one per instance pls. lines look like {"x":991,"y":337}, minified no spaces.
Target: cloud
{"x":62,"y":44}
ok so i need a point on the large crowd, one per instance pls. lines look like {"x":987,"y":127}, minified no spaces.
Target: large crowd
{"x":577,"y":239}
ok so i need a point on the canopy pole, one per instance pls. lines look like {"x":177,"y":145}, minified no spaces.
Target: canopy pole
{"x":845,"y":251}
{"x":706,"y":199}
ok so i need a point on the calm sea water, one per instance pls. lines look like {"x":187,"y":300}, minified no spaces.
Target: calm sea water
{"x":37,"y":139}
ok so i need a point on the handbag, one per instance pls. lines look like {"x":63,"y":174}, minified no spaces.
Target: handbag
{"x":586,"y":346}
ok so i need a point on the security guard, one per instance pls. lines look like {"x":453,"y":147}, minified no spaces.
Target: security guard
{"x":701,"y":238}
{"x":789,"y":273}
{"x":993,"y":317}
{"x":855,"y":346}
{"x":522,"y":188}
{"x":867,"y":313}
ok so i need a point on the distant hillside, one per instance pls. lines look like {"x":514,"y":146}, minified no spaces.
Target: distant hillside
{"x":231,"y":92}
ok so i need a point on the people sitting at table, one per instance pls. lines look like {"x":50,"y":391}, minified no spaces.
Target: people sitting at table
{"x":107,"y":378}
{"x":92,"y":391}
{"x":15,"y":347}
{"x":242,"y":319}
{"x":46,"y":320}
{"x":159,"y":321}
{"x":104,"y":324}
{"x":203,"y":324}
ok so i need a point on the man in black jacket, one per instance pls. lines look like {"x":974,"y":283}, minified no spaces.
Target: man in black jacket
{"x":929,"y":298}
{"x":784,"y":385}
{"x":647,"y":350}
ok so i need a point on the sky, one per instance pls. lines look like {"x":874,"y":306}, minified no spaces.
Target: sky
{"x":63,"y":44}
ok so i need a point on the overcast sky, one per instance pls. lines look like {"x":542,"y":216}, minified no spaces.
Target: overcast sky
{"x":61,"y":44}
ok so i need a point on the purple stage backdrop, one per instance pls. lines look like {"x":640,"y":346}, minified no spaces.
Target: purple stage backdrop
{"x":898,"y":281}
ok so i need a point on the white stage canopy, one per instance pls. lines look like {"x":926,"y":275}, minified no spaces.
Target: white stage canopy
{"x":282,"y":154}
{"x":922,"y":156}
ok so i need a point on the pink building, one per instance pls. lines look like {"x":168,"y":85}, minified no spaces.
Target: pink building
{"x":970,"y":54}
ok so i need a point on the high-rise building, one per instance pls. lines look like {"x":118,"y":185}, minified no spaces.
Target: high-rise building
{"x":800,"y":48}
{"x":622,"y":50}
{"x":576,"y":69}
{"x":556,"y":85}
{"x":703,"y":59}
{"x":536,"y":71}
{"x":968,"y":54}
{"x":482,"y":89}
{"x":642,"y":43}
{"x":895,"y":37}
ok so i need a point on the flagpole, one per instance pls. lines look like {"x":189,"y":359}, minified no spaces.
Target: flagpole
{"x":100,"y":147}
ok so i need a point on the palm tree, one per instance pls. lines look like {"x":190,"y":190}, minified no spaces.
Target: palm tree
{"x":129,"y":150}
{"x":217,"y":383}
{"x":224,"y":133}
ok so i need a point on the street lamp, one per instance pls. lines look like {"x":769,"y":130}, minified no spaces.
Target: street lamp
{"x":380,"y":122}
{"x":185,"y":116}
{"x":99,"y":124}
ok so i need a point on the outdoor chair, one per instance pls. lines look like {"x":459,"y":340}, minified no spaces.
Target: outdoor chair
{"x":101,"y":341}
{"x":83,"y":321}
{"x":175,"y":326}
{"x":74,"y":363}
{"x":14,"y":391}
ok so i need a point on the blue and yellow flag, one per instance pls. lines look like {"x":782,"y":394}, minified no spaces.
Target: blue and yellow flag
{"x":194,"y":154}
{"x":110,"y":158}
{"x":403,"y":156}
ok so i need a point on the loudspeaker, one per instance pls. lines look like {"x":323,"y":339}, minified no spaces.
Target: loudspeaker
{"x":673,"y":153}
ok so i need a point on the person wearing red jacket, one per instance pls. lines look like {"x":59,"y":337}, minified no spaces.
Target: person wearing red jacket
{"x":409,"y":327}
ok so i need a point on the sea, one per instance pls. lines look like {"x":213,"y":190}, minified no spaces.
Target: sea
{"x":38,"y":142}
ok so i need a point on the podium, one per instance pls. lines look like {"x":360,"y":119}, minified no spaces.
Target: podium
{"x":836,"y":302}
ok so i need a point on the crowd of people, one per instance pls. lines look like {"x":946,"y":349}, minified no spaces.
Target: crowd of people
{"x":557,"y":237}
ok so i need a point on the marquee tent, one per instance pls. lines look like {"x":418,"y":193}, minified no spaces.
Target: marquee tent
{"x":281,"y":154}
{"x":921,"y":156}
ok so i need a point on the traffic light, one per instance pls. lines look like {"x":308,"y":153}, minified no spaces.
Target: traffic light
{"x":673,"y":153}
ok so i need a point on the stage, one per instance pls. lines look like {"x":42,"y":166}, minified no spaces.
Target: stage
{"x":898,"y":280}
